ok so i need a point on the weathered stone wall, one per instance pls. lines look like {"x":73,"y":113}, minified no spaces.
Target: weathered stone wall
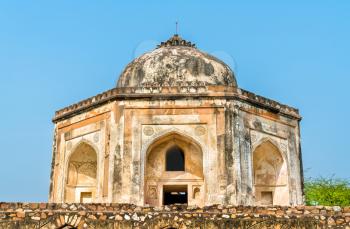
{"x":252,"y":127}
{"x":43,"y":215}
{"x":226,"y":123}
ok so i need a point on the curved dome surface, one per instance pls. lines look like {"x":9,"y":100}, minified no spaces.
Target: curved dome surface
{"x":176,"y":62}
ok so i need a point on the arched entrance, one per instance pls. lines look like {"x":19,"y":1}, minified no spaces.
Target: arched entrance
{"x":174,"y":172}
{"x":270,"y":175}
{"x":81,"y":175}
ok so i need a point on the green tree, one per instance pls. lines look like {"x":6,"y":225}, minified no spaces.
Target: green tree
{"x":327,"y":191}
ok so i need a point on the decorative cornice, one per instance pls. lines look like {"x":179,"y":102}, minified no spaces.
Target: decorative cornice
{"x":176,"y":40}
{"x":224,"y":92}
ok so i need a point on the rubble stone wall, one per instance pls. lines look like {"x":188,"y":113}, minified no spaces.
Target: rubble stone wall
{"x":50,"y":216}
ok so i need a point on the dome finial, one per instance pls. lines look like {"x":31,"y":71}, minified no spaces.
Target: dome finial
{"x":176,"y":27}
{"x":176,"y":40}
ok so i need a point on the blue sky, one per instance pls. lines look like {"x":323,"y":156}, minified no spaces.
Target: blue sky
{"x":55,"y":53}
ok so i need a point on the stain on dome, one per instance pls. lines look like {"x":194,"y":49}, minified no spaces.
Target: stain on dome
{"x":176,"y":62}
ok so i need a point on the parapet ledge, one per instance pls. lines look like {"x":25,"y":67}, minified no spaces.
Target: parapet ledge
{"x":269,"y":104}
{"x":175,"y":92}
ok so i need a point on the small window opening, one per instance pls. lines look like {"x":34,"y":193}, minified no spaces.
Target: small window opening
{"x":175,"y":159}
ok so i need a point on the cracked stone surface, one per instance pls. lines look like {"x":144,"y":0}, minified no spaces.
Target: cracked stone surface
{"x":174,"y":65}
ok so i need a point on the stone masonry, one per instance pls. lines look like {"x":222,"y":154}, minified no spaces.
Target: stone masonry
{"x":125,"y":216}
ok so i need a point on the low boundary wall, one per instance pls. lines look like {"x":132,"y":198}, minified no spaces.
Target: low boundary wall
{"x":44,"y":215}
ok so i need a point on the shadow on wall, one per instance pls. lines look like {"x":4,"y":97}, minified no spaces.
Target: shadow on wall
{"x":81,"y":177}
{"x":270,"y":175}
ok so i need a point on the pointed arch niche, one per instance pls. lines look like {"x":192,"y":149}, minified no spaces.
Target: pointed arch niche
{"x":81,"y":175}
{"x":270,"y":175}
{"x":174,"y":167}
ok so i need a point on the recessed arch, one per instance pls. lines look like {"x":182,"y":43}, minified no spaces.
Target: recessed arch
{"x":78,"y":144}
{"x":171,"y":132}
{"x":271,"y":141}
{"x":270,"y":175}
{"x":192,"y":152}
{"x":68,"y":222}
{"x":81,"y":174}
{"x":160,"y":180}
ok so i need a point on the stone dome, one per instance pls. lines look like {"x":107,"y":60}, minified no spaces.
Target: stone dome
{"x":176,"y":62}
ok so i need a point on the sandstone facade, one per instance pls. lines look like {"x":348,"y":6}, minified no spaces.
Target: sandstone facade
{"x":177,"y":106}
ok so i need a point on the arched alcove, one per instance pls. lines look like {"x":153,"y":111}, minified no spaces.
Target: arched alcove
{"x":173,"y":166}
{"x":81,"y":175}
{"x":270,"y":175}
{"x":196,"y":193}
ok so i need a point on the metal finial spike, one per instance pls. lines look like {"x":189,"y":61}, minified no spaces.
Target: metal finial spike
{"x":176,"y":27}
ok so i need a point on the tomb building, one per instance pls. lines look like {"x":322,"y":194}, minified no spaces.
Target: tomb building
{"x":176,"y":128}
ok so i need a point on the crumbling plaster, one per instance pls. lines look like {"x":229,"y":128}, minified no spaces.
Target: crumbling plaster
{"x":227,"y":130}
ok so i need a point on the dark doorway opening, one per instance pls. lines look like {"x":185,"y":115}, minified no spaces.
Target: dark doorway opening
{"x":175,"y":194}
{"x":175,"y":159}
